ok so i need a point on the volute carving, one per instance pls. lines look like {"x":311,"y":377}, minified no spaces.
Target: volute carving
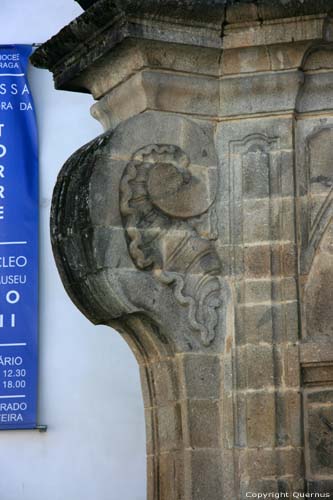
{"x":236,"y":400}
{"x":162,"y":197}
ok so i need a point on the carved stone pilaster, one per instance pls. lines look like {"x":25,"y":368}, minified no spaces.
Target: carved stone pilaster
{"x":199,"y":226}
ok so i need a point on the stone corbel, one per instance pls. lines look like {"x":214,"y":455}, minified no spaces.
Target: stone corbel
{"x":133,"y":232}
{"x":134,"y":226}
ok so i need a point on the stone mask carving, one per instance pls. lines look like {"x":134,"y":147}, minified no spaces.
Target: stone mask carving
{"x":161,"y":198}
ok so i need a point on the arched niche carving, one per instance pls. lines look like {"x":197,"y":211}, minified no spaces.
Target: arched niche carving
{"x":314,"y":136}
{"x":315,"y":93}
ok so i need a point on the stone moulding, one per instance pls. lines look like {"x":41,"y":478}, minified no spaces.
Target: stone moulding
{"x":199,"y":225}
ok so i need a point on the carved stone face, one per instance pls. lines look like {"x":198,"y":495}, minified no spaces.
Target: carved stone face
{"x":160,"y":193}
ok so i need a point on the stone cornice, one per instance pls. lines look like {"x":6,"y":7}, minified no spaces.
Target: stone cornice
{"x":123,"y":18}
{"x":282,"y":6}
{"x":107,"y":24}
{"x":85,"y":4}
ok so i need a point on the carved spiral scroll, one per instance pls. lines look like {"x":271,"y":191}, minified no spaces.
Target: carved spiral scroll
{"x":162,"y":198}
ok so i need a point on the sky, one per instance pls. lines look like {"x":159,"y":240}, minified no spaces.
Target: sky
{"x":34,"y":21}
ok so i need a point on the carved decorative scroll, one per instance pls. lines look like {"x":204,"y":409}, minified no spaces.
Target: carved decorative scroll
{"x":162,"y":199}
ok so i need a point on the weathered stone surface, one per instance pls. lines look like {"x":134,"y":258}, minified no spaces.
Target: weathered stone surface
{"x":199,"y":225}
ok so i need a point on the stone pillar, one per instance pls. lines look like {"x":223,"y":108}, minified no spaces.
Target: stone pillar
{"x":199,"y":226}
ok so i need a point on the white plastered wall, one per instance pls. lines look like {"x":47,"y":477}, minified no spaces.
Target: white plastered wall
{"x":89,"y":389}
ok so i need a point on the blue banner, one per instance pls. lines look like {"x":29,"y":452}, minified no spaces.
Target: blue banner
{"x":18,"y":243}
